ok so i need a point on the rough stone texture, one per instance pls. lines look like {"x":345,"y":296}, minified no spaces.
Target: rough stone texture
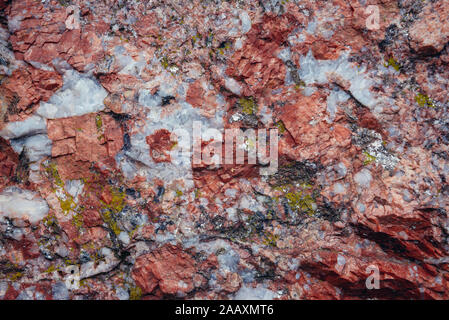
{"x":362,"y":116}
{"x":430,"y":33}
{"x":170,"y":269}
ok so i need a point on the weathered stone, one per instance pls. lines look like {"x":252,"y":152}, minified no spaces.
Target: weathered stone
{"x":430,"y":33}
{"x":91,"y":92}
{"x":169,"y":268}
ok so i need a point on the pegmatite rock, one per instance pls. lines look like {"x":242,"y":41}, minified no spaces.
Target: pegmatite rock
{"x":105,"y":106}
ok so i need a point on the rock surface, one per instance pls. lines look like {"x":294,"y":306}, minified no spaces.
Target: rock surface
{"x":98,"y":202}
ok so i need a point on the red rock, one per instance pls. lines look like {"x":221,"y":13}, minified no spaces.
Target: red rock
{"x":342,"y":134}
{"x":63,"y":147}
{"x":114,"y":102}
{"x":70,"y":168}
{"x":60,"y":129}
{"x":29,"y":86}
{"x":113,"y":134}
{"x":215,"y":217}
{"x":309,"y":139}
{"x":232,"y":282}
{"x":160,"y":145}
{"x":92,"y":218}
{"x":45,"y":36}
{"x":325,"y":50}
{"x":90,"y":138}
{"x":88,"y":145}
{"x":94,"y":234}
{"x":8,"y":161}
{"x":168,"y":267}
{"x":195,"y":94}
{"x":430,"y":33}
{"x":256,"y":63}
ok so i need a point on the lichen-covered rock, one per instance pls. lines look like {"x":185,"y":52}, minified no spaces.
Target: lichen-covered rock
{"x":105,"y":107}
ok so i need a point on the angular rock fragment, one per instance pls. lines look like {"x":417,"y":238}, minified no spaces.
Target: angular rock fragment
{"x":430,"y":33}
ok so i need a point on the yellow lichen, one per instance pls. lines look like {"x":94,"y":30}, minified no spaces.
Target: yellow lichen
{"x":116,"y":205}
{"x":424,"y":101}
{"x":131,"y":234}
{"x":51,"y":269}
{"x":164,"y":62}
{"x":110,"y":221}
{"x":179,"y":193}
{"x":98,"y":122}
{"x":77,"y":220}
{"x":393,"y":63}
{"x":270,"y":239}
{"x":135,"y":293}
{"x":281,"y":127}
{"x":68,"y":262}
{"x":50,"y":220}
{"x":67,"y":204}
{"x":16,"y":276}
{"x":118,"y":200}
{"x":301,"y":201}
{"x":52,"y":171}
{"x":369,"y":158}
{"x":251,"y":143}
{"x":301,"y":84}
{"x":248,"y":105}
